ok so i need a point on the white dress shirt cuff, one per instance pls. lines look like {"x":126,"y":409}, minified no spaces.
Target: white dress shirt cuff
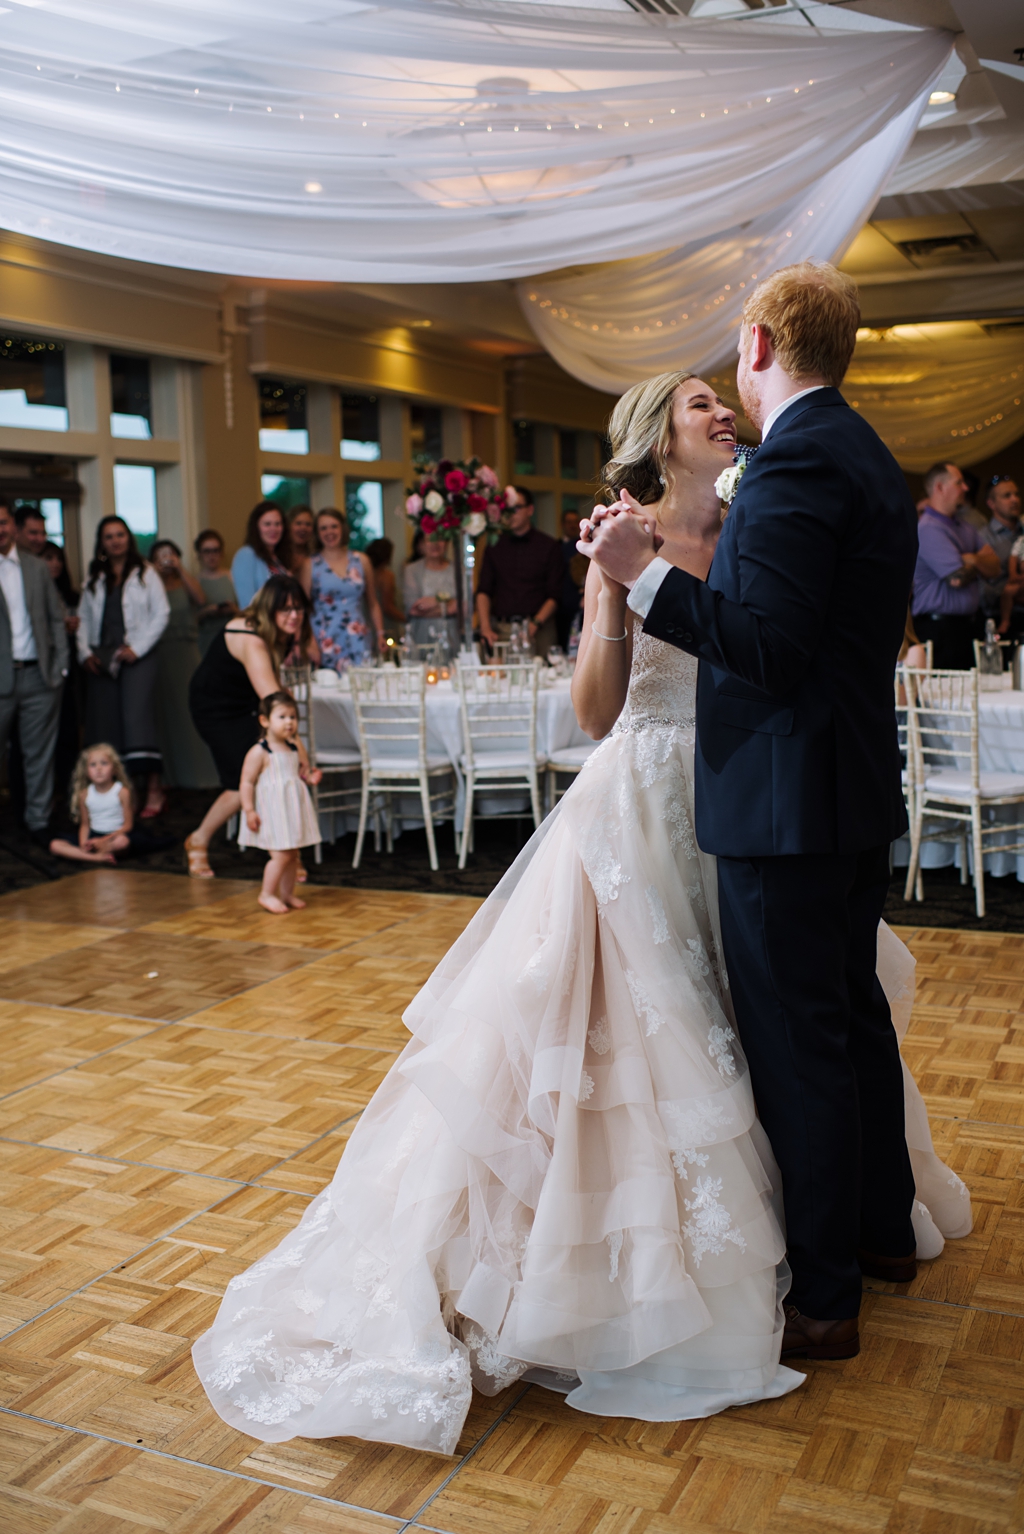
{"x":646,"y":587}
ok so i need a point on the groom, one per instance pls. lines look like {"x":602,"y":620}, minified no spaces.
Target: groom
{"x":798,"y":782}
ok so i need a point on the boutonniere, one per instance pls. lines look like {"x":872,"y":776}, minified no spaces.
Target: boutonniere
{"x":728,"y":482}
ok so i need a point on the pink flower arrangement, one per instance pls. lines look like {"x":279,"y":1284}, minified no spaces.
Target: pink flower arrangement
{"x":455,"y":498}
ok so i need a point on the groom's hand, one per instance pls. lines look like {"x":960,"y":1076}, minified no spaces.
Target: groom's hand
{"x":622,"y":539}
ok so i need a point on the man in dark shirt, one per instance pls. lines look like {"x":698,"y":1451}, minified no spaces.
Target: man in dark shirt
{"x":570,"y":602}
{"x":521,"y":578}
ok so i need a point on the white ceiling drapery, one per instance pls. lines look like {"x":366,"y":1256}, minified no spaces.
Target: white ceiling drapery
{"x":948,"y":390}
{"x":425,"y":140}
{"x":614,"y":325}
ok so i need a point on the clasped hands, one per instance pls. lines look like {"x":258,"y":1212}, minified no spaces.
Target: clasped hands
{"x":621,"y":539}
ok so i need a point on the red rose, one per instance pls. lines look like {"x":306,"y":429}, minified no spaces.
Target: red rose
{"x":477,"y":503}
{"x":455,"y":481}
{"x":428,"y":524}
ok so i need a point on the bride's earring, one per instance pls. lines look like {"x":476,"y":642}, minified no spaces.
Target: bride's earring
{"x":662,"y":480}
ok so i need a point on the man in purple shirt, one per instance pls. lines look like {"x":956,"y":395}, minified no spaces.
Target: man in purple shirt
{"x":950,"y":558}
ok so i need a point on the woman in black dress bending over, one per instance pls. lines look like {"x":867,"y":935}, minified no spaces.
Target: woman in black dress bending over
{"x":242,"y":665}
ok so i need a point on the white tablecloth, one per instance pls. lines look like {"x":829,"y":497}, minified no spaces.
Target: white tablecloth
{"x":1000,"y":749}
{"x":334,"y":721}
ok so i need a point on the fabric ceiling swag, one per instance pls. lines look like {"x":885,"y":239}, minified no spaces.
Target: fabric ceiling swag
{"x":945,"y":390}
{"x":613,"y":325}
{"x":429,"y":140}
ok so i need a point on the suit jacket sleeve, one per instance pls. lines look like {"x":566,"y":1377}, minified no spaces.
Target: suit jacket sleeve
{"x":58,"y":633}
{"x":786,"y":525}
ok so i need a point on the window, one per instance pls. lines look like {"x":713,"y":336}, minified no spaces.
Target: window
{"x":135,"y":501}
{"x":285,"y":490}
{"x":364,"y":507}
{"x":283,"y":417}
{"x":427,"y":444}
{"x":32,"y":384}
{"x":360,"y":427}
{"x":523,"y":447}
{"x":129,"y":397}
{"x":569,"y":454}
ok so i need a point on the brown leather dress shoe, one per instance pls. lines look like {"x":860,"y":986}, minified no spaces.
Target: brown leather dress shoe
{"x":806,"y":1338}
{"x":891,"y":1270}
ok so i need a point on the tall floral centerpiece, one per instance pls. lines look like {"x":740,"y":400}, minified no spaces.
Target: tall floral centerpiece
{"x":460,"y":502}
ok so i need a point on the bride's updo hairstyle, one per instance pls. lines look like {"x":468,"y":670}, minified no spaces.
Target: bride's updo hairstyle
{"x":640,"y":433}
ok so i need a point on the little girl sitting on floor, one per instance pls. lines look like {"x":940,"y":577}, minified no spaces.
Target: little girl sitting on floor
{"x":101,"y":802}
{"x":277,"y":811}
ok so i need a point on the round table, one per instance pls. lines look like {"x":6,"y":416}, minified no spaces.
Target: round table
{"x":1000,"y":749}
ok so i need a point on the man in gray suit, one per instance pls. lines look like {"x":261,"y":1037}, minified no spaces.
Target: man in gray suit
{"x":33,"y":664}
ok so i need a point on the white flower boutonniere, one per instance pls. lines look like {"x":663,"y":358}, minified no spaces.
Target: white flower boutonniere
{"x":728,"y":482}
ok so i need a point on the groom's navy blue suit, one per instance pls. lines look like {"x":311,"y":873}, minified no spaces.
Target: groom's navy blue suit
{"x":798,"y":793}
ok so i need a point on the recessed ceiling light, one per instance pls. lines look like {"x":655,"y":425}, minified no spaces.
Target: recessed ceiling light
{"x":420,"y":324}
{"x":313,"y":186}
{"x":940,"y":98}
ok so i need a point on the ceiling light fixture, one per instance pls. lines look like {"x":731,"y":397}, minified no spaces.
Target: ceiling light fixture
{"x":940,"y":98}
{"x":313,"y":186}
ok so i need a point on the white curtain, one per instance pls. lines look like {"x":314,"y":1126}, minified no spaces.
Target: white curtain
{"x":427,"y":140}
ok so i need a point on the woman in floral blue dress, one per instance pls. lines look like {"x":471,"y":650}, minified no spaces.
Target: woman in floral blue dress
{"x":340,"y":586}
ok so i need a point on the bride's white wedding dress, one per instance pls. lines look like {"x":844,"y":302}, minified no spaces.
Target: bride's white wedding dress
{"x":563,"y":1170}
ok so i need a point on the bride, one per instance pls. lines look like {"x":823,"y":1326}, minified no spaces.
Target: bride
{"x":563,"y":1177}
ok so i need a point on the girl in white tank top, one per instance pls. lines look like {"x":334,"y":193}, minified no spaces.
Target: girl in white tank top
{"x":101,"y":803}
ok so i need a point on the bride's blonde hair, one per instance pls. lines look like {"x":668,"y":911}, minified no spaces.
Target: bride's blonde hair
{"x":640,"y":433}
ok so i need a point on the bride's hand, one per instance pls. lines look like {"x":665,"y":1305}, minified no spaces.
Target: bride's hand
{"x":625,"y":505}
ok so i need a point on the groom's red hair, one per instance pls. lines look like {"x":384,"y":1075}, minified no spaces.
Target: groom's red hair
{"x":811,"y":311}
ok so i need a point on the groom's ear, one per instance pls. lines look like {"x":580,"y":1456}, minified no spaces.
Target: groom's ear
{"x":762,"y":352}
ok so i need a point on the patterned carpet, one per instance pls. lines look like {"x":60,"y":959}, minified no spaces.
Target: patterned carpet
{"x":947,"y":902}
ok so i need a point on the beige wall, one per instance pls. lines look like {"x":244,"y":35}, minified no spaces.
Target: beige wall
{"x":210,"y":339}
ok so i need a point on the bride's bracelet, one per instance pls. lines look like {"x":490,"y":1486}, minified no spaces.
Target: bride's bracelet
{"x":612,"y":638}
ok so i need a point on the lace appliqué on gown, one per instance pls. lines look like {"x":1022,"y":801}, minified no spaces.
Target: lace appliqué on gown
{"x":711,"y":1226}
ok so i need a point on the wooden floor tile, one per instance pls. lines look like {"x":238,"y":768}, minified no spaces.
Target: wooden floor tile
{"x":426,"y":937}
{"x":147,"y":975}
{"x":39,"y":1041}
{"x":311,"y":1169}
{"x":116,"y":897}
{"x":199,"y":1099}
{"x":63,"y":1482}
{"x":24,"y":942}
{"x":333,"y":918}
{"x":65,"y":1219}
{"x":343,"y":998}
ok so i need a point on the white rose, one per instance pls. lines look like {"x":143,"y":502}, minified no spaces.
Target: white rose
{"x":434,"y":502}
{"x":728,"y":482}
{"x":476,"y":524}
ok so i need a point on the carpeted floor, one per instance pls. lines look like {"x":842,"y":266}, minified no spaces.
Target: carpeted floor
{"x":947,"y":902}
{"x":23,"y":864}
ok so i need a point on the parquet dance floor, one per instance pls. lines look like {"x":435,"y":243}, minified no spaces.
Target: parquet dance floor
{"x":178,"y":1074}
